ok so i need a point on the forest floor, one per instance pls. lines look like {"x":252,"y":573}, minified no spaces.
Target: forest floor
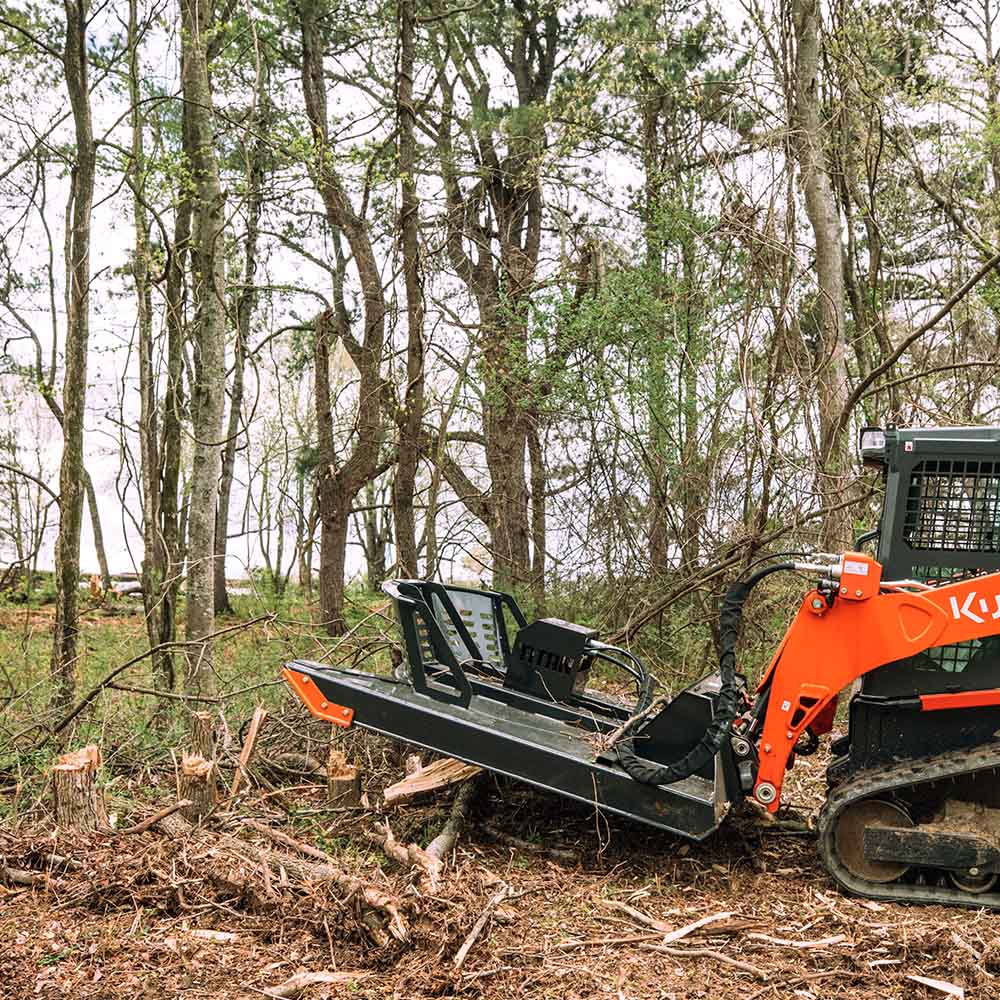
{"x":560,"y":894}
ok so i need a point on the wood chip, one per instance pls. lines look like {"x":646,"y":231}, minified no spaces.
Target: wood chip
{"x":948,"y":989}
{"x":216,"y":937}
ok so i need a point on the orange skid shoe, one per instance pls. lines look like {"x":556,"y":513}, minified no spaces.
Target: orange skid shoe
{"x":312,"y":698}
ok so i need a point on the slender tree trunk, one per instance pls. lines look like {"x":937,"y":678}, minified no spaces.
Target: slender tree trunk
{"x":539,"y":540}
{"x":244,"y":314}
{"x":95,"y":527}
{"x":208,"y":267}
{"x":809,"y":138}
{"x":71,"y":471}
{"x":154,"y":559}
{"x":172,"y":531}
{"x":410,"y":416}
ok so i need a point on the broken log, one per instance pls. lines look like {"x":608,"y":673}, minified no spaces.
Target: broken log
{"x":432,"y":859}
{"x":343,"y":780}
{"x":77,"y":798}
{"x":197,"y":786}
{"x":441,"y":774}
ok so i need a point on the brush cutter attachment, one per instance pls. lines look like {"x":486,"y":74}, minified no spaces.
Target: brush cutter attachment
{"x":522,"y":708}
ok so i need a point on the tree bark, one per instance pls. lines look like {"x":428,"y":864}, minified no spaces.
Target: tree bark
{"x":155,"y":558}
{"x":74,"y":397}
{"x":95,"y":527}
{"x":809,"y":144}
{"x":197,"y":785}
{"x":411,"y":412}
{"x":209,"y":287}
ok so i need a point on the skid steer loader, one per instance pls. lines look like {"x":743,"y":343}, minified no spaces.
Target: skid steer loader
{"x":913,"y":805}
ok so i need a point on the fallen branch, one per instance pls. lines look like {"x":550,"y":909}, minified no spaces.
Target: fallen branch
{"x":325,"y":871}
{"x":600,"y":942}
{"x":294,"y":987}
{"x":17,"y":876}
{"x":637,"y":915}
{"x":442,"y":845}
{"x":786,"y":943}
{"x":718,"y":956}
{"x":477,"y":928}
{"x":683,"y":932}
{"x":174,"y":644}
{"x":156,"y":817}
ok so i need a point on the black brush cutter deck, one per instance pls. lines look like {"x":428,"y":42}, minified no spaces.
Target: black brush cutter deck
{"x":523,"y":710}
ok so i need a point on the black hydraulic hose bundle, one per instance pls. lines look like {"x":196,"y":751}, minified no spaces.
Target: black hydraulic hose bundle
{"x":727,"y":707}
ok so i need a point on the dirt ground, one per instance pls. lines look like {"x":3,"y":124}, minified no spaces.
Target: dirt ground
{"x":121,"y":916}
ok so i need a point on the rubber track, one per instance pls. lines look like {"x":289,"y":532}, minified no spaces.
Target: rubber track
{"x":889,"y":781}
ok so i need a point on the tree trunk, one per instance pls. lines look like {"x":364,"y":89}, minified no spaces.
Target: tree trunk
{"x":411,"y":414}
{"x":95,"y":527}
{"x":209,"y":287}
{"x":74,"y":397}
{"x":154,"y":558}
{"x":338,"y":483}
{"x":244,"y":314}
{"x":172,"y":531}
{"x":343,"y":780}
{"x":809,"y":137}
{"x":539,"y":539}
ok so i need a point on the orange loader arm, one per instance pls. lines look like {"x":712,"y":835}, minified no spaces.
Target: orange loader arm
{"x":830,"y":644}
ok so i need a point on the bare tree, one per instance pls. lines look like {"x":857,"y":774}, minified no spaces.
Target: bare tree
{"x":340,"y":480}
{"x":74,"y":396}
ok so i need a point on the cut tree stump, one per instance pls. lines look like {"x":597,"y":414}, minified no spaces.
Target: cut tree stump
{"x":78,"y":800}
{"x":197,"y":785}
{"x":441,"y":774}
{"x":343,"y":780}
{"x":202,"y":726}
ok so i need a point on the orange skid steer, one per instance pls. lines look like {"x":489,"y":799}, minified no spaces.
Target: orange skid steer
{"x":913,"y":805}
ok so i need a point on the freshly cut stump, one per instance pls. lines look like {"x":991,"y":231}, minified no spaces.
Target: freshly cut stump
{"x":343,"y":781}
{"x":77,"y":798}
{"x":197,"y":784}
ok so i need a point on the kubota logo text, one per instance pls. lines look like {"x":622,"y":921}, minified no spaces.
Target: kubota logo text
{"x":964,"y":610}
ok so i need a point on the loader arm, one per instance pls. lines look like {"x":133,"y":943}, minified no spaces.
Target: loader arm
{"x":841,"y":633}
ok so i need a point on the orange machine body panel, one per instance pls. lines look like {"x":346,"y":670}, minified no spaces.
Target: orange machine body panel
{"x":827,"y":647}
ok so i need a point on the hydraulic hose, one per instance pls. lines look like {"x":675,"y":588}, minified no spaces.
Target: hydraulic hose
{"x":727,"y":707}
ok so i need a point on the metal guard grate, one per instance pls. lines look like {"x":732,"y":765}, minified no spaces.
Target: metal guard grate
{"x":953,"y":504}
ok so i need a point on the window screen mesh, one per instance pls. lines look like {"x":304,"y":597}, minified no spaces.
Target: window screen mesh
{"x":953,"y":504}
{"x":957,"y":657}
